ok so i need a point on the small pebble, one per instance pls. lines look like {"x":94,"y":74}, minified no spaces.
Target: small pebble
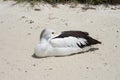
{"x":66,"y":24}
{"x":116,"y":46}
{"x":25,"y":71}
{"x":105,"y":64}
{"x":91,"y":21}
{"x":31,"y":21}
{"x":2,"y":72}
{"x":29,"y":34}
{"x":30,"y":27}
{"x":87,"y":67}
{"x":36,"y":9}
{"x":34,"y":65}
{"x":23,"y":17}
{"x":1,"y":21}
{"x":50,"y":68}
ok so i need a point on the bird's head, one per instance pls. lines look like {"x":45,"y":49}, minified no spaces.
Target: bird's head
{"x":47,"y":34}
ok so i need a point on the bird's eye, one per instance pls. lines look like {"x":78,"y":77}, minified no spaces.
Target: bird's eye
{"x":52,"y":32}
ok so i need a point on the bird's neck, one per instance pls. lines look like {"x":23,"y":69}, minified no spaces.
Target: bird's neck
{"x":41,"y":48}
{"x":42,"y":40}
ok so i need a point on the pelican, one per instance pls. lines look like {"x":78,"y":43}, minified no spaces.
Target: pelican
{"x":63,"y":43}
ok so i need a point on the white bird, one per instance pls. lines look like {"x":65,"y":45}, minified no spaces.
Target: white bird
{"x":63,"y":44}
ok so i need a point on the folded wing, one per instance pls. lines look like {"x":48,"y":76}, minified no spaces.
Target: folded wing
{"x":73,"y":39}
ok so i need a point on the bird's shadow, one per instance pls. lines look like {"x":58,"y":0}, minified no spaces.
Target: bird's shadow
{"x":90,"y":50}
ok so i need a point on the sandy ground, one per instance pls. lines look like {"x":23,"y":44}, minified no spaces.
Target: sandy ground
{"x":20,"y":27}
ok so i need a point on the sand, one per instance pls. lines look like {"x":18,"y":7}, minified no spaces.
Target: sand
{"x":20,"y":27}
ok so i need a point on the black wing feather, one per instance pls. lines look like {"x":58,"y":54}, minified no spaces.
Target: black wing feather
{"x":72,"y":33}
{"x":79,"y":34}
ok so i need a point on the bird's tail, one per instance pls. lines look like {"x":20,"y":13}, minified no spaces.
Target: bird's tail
{"x":92,"y":41}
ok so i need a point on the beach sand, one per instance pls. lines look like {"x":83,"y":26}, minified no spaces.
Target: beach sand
{"x":20,"y":27}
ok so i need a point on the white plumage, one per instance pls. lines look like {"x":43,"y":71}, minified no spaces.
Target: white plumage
{"x":67,"y":42}
{"x":62,"y":44}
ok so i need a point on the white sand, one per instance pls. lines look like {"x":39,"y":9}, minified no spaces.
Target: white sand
{"x":18,"y":37}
